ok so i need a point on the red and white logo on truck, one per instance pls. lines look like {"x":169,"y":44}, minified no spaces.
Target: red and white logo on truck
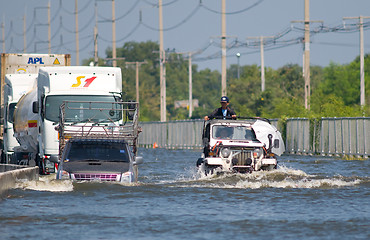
{"x":87,"y":81}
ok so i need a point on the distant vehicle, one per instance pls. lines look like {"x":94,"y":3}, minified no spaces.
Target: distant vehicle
{"x":16,"y":86}
{"x":98,"y":141}
{"x":241,"y":146}
{"x":18,"y":75}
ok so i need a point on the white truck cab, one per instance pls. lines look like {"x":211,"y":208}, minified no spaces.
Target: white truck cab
{"x":58,"y":84}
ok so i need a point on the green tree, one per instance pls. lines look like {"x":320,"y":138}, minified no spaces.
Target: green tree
{"x":341,"y":81}
{"x":335,"y":89}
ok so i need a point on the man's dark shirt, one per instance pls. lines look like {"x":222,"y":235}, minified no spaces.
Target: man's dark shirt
{"x":218,"y":113}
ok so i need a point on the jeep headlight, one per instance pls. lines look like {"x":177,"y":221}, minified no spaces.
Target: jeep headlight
{"x":257,"y":153}
{"x":225,"y":152}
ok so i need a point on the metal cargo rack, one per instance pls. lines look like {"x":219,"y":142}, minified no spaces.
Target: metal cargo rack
{"x":99,"y":120}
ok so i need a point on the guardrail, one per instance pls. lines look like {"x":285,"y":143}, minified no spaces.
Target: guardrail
{"x":329,"y":136}
{"x":325,"y":136}
{"x":181,"y":134}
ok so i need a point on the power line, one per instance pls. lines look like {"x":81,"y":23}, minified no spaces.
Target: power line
{"x":156,"y":4}
{"x":74,"y":12}
{"x":134,"y":29}
{"x":79,"y":29}
{"x":55,"y":15}
{"x":84,"y":47}
{"x":231,"y":13}
{"x":192,"y":13}
{"x":121,"y":17}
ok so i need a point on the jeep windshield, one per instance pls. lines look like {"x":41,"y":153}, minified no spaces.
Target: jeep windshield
{"x":97,"y":151}
{"x":233,"y":132}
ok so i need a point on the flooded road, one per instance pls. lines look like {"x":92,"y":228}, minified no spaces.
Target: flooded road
{"x":307,"y":197}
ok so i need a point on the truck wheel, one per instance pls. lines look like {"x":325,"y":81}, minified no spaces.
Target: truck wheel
{"x":2,"y":156}
{"x":40,"y":162}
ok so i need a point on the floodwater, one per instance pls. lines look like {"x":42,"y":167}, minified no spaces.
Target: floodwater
{"x":307,"y":197}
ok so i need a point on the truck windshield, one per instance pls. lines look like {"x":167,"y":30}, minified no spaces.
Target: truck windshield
{"x":99,"y":151}
{"x":233,"y":132}
{"x":80,"y":110}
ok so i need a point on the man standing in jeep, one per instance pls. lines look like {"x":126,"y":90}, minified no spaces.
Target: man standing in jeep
{"x":223,"y":112}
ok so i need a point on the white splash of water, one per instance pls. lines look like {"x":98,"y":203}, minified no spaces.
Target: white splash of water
{"x":283,"y":177}
{"x":304,"y":183}
{"x":46,"y":183}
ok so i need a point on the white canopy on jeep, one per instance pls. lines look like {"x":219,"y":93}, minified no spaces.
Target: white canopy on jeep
{"x":262,"y":130}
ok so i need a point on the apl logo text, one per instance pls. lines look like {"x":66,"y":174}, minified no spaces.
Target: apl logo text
{"x":35,"y":60}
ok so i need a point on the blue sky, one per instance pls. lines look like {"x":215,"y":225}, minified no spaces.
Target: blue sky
{"x":191,"y":25}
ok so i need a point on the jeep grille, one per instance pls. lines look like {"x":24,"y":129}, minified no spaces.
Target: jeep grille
{"x":240,"y":159}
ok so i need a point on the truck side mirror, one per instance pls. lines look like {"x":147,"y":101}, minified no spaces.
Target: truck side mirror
{"x":54,"y":159}
{"x":276,"y":143}
{"x":138,"y":160}
{"x":35,"y":107}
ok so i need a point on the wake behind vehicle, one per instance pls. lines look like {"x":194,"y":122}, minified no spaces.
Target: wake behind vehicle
{"x":241,"y":146}
{"x":98,"y":141}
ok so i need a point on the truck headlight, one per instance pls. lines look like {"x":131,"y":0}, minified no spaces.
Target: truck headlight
{"x":225,"y":152}
{"x":126,"y":177}
{"x":64,"y":175}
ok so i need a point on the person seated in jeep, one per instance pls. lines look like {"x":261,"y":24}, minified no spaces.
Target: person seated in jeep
{"x":224,"y":133}
{"x":222,"y":112}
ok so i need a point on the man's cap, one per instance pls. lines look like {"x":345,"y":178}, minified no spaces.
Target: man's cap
{"x":224,"y":99}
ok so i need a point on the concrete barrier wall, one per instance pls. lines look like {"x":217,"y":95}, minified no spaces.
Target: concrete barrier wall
{"x":13,"y":173}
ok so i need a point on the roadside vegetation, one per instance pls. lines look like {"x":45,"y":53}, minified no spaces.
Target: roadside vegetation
{"x":335,"y":89}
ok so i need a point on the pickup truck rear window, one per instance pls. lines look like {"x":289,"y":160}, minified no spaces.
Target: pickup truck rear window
{"x":99,"y":151}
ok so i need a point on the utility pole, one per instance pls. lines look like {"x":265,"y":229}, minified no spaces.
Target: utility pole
{"x":137,"y":64}
{"x":238,"y":70}
{"x":362,"y":58}
{"x":162,"y":67}
{"x":223,"y":45}
{"x":77,"y":43}
{"x":306,"y":55}
{"x":3,"y":34}
{"x":191,"y":107}
{"x":114,"y":56}
{"x":307,"y":76}
{"x":24,"y":33}
{"x":190,"y":87}
{"x":34,"y":33}
{"x":261,"y":38}
{"x":96,"y":59}
{"x":49,"y":29}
